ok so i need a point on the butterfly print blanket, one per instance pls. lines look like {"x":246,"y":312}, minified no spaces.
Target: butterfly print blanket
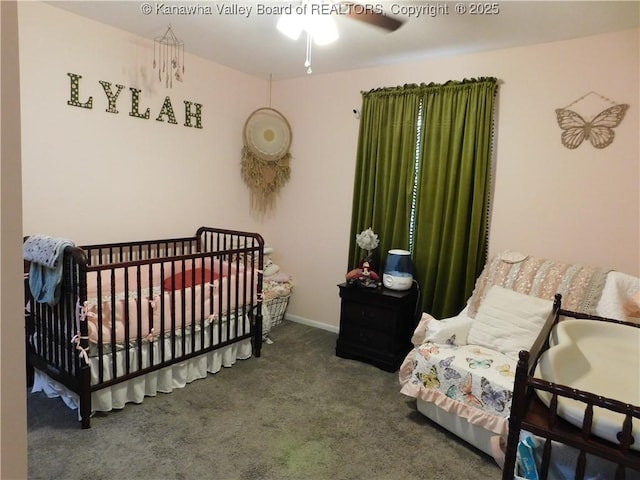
{"x":470,"y":381}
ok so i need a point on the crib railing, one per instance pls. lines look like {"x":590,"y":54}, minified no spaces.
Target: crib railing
{"x":528,"y":413}
{"x":103,"y":254}
{"x":545,"y":422}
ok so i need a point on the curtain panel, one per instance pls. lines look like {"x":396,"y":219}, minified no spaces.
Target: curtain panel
{"x":385,"y":168}
{"x":422,"y":182}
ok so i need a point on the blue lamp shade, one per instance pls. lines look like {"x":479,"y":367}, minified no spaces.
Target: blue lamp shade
{"x":398,"y":270}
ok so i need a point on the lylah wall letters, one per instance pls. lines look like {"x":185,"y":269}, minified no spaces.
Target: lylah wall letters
{"x":192,"y":110}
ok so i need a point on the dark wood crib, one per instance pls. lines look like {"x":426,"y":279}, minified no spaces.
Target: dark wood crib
{"x":530,"y":414}
{"x":151,"y":304}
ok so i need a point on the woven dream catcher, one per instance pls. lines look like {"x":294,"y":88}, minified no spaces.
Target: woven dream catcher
{"x":265,"y":156}
{"x":598,"y":130}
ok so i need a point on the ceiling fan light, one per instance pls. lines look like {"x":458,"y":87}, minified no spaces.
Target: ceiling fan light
{"x":290,"y":25}
{"x":322,"y":28}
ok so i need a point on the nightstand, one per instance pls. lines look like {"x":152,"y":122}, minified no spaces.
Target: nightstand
{"x":376,"y":325}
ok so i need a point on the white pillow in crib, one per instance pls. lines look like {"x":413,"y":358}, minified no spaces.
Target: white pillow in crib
{"x":508,"y":321}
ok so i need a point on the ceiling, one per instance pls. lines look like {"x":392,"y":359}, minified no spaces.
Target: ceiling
{"x":250,"y":43}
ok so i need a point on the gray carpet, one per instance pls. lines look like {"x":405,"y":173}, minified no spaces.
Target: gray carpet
{"x":298,"y":412}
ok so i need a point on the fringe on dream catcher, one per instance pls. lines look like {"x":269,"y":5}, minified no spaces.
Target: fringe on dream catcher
{"x":264,"y":179}
{"x":265,"y":157}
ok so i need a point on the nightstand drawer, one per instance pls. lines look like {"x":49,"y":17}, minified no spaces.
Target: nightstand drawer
{"x":370,"y":317}
{"x":372,"y":340}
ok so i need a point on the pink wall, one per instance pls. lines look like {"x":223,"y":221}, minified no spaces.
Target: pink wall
{"x":571,"y":205}
{"x":578,"y":206}
{"x":95,"y":176}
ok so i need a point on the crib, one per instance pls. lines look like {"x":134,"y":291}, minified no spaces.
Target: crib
{"x":146,"y":310}
{"x":529,"y":413}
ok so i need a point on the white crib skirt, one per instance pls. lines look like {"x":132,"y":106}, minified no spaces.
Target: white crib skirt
{"x":164,"y":380}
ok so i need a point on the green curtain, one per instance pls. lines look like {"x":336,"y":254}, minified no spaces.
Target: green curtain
{"x":440,"y":137}
{"x":384,"y":169}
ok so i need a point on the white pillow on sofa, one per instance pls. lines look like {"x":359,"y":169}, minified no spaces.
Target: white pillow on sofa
{"x":452,"y":330}
{"x":508,"y":321}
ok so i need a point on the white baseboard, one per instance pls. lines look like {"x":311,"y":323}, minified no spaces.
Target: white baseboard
{"x":312,"y":323}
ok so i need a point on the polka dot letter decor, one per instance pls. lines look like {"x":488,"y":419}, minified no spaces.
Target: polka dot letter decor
{"x":192,"y":110}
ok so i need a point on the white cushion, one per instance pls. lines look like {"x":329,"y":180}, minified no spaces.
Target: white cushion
{"x":453,"y":330}
{"x":508,"y":321}
{"x":618,"y":292}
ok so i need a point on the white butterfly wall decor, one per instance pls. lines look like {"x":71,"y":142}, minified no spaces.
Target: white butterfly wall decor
{"x":599,"y":130}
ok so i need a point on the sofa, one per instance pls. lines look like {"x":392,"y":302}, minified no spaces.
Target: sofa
{"x":461,"y":369}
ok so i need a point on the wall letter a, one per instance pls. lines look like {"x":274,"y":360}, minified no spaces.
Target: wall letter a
{"x":167,"y":109}
{"x":75,"y":93}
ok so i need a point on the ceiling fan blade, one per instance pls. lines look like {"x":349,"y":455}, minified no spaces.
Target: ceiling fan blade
{"x":368,"y":15}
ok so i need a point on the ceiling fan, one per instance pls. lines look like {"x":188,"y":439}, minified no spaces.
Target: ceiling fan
{"x":314,"y":18}
{"x":373,"y":14}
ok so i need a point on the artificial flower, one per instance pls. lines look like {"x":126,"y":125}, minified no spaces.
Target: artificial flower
{"x":367,"y":240}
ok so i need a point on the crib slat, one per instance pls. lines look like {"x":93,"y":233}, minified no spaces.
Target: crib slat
{"x":553,"y":411}
{"x":138,"y":315}
{"x":546,"y":459}
{"x":581,"y":465}
{"x":194,"y":289}
{"x":204,"y":297}
{"x":149,"y":307}
{"x":587,"y":421}
{"x":227,"y":294}
{"x":100,"y":335}
{"x":162,"y":310}
{"x":183,"y":311}
{"x":127,"y":333}
{"x":114,"y":364}
{"x":624,"y":437}
{"x":173,"y":311}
